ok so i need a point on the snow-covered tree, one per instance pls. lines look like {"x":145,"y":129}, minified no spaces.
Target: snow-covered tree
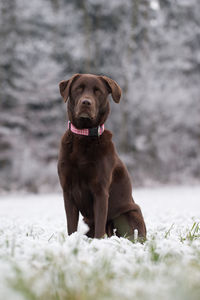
{"x":150,"y":47}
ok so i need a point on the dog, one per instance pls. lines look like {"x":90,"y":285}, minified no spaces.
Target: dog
{"x":94,"y":180}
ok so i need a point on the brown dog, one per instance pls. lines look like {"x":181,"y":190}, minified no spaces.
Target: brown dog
{"x":94,"y":180}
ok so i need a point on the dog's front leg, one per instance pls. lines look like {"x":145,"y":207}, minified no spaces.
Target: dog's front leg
{"x":72,"y":213}
{"x":100,"y":213}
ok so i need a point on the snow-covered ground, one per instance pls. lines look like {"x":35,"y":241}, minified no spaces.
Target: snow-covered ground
{"x":39,"y":261}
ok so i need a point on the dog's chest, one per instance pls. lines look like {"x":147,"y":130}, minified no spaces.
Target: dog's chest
{"x":84,"y":156}
{"x":82,"y":176}
{"x":83,"y":160}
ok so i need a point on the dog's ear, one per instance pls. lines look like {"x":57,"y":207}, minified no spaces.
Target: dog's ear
{"x":113,"y":88}
{"x":65,"y":85}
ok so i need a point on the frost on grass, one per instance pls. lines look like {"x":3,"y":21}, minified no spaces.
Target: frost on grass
{"x":39,"y":261}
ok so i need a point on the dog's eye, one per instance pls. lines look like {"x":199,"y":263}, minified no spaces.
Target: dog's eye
{"x":97,"y":90}
{"x":80,"y":88}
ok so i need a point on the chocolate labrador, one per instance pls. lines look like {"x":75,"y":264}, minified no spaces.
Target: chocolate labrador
{"x":94,"y":180}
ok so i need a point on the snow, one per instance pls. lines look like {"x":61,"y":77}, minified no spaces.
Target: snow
{"x":154,"y":4}
{"x":36,"y":253}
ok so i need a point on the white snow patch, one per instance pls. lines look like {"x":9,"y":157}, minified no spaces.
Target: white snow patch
{"x":34,"y":241}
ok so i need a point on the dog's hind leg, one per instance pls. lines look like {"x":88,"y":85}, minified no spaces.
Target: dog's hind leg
{"x":126,"y":223}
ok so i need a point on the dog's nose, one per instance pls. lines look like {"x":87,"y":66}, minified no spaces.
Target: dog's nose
{"x":86,"y":102}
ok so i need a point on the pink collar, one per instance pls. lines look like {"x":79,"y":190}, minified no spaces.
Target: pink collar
{"x":96,"y":131}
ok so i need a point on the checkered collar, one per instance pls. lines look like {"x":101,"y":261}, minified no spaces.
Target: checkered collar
{"x":96,"y":131}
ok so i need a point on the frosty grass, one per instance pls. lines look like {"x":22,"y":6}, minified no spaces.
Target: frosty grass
{"x":39,"y":261}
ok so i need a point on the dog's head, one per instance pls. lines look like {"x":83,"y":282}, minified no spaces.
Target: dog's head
{"x":87,"y":96}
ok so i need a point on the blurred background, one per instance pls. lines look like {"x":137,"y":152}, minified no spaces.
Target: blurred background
{"x":150,"y":47}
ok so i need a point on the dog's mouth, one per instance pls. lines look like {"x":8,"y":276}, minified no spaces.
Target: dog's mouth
{"x":84,"y":119}
{"x":85,"y":115}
